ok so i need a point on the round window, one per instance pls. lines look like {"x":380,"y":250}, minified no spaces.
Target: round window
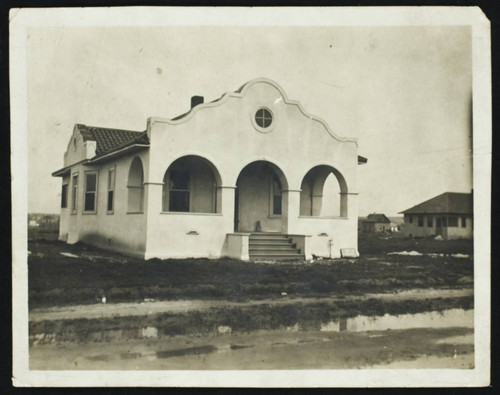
{"x":263,"y":118}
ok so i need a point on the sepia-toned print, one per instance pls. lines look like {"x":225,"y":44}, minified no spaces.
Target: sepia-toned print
{"x":251,"y":202}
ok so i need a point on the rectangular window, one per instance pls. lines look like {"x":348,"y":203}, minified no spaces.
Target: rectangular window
{"x":179,"y":191}
{"x":429,"y":221}
{"x":410,"y":219}
{"x":452,"y":222}
{"x":443,"y":222}
{"x":74,"y":195}
{"x":111,"y":188}
{"x":464,"y":222}
{"x":420,"y":220}
{"x":90,"y":192}
{"x":64,"y":196}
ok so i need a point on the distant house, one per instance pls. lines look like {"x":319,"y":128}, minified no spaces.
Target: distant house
{"x":396,"y":223}
{"x":448,"y":215}
{"x":43,"y":226}
{"x":376,"y":223}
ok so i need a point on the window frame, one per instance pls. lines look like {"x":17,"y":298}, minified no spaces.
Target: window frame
{"x":74,"y":192}
{"x":430,"y":221}
{"x":64,"y":195}
{"x":87,"y":174}
{"x":265,"y":129}
{"x":420,"y":221}
{"x":178,"y":191}
{"x":410,"y":219}
{"x":272,"y":207}
{"x":464,"y":222}
{"x":111,"y":188}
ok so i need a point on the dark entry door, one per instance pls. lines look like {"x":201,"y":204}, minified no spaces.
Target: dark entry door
{"x":236,"y":208}
{"x":440,"y":224}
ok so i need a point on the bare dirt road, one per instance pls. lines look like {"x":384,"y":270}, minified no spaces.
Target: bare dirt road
{"x":181,"y":306}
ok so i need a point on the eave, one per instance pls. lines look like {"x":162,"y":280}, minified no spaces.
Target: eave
{"x":120,"y":152}
{"x":96,"y":160}
{"x":67,"y":169}
{"x":62,"y":172}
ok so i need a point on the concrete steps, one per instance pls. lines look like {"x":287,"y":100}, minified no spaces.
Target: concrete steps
{"x":272,"y":246}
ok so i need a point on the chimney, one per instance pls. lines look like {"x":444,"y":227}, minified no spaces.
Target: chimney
{"x":195,"y":100}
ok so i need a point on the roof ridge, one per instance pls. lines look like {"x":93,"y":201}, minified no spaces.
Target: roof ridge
{"x":446,"y":202}
{"x":113,"y":129}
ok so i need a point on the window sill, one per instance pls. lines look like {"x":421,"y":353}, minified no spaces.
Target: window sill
{"x":89,"y":213}
{"x":191,"y":213}
{"x":110,"y":212}
{"x":135,"y":212}
{"x":276,"y":216}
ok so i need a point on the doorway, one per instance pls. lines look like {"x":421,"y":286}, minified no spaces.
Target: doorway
{"x":258,"y":199}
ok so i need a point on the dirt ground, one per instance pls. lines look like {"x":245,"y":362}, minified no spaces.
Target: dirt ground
{"x":61,"y":274}
{"x":102,"y":310}
{"x":413,"y":348}
{"x":404,"y":303}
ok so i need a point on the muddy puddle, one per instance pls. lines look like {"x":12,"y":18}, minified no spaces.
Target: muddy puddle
{"x":434,"y":319}
{"x":443,"y":319}
{"x":423,"y":340}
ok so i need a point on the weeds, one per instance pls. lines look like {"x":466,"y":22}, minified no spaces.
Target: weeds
{"x":58,"y":280}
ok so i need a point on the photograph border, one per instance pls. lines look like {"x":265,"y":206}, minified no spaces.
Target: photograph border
{"x":23,"y":19}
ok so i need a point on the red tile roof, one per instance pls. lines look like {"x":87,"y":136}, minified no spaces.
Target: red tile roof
{"x":448,"y":202}
{"x":109,"y":140}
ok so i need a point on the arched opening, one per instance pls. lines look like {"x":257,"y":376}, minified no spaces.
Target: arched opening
{"x":191,"y":184}
{"x":135,"y":187}
{"x":323,"y":193}
{"x":259,"y":200}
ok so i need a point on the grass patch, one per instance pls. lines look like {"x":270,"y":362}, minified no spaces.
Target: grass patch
{"x":55,"y":279}
{"x":372,"y":243}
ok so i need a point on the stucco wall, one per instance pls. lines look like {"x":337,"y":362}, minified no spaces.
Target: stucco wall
{"x":448,"y":232}
{"x":322,"y":230}
{"x":63,"y":221}
{"x":224,"y":134}
{"x":459,"y":232}
{"x":117,"y":230}
{"x":78,"y":150}
{"x":180,"y":235}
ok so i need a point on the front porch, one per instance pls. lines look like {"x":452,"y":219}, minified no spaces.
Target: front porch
{"x":268,"y":246}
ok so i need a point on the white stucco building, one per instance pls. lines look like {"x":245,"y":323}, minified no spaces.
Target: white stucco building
{"x":251,"y":175}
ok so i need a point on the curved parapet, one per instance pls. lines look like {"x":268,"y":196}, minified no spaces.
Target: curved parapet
{"x":240,"y":93}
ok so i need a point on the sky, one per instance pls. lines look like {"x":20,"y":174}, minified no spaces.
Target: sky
{"x":403,"y":92}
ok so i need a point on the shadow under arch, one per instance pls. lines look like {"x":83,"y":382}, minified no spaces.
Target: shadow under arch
{"x":259,"y":204}
{"x":313,"y":188}
{"x":135,"y":186}
{"x":192,"y":183}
